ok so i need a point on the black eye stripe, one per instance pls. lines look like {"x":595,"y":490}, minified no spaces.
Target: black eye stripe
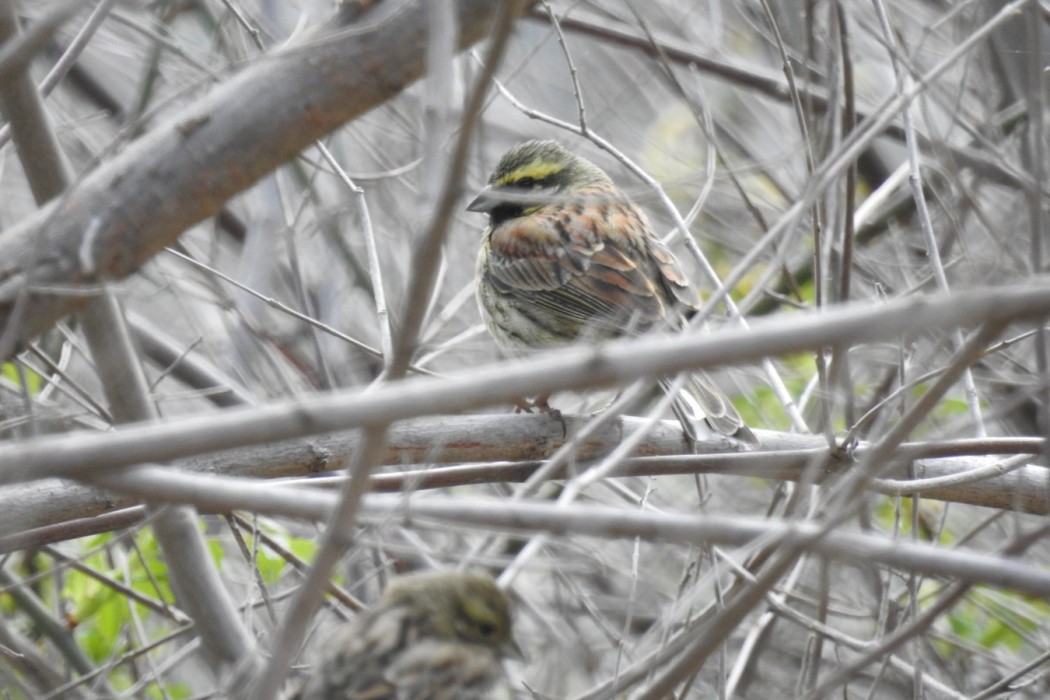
{"x":529,"y":182}
{"x":526,"y":183}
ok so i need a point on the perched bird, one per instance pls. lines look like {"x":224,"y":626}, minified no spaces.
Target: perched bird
{"x":567,"y":256}
{"x":433,"y":636}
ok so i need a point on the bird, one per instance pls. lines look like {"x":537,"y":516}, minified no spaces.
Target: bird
{"x":566,"y":256}
{"x":436,"y":635}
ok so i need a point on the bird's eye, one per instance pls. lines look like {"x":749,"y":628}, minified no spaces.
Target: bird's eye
{"x":527,"y":182}
{"x":486,"y":629}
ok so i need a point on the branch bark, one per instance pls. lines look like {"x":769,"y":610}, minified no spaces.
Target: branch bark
{"x":516,"y":445}
{"x":574,"y":368}
{"x":182,"y":172}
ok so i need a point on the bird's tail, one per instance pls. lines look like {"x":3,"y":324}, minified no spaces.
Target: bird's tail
{"x":702,"y":409}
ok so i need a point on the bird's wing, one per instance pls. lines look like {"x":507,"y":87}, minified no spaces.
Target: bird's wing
{"x":571,"y":265}
{"x":672,"y":276}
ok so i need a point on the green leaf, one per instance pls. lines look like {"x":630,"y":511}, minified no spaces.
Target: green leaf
{"x":34,"y":380}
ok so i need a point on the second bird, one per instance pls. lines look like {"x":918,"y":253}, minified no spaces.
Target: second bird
{"x":434,"y":636}
{"x":568,"y":257}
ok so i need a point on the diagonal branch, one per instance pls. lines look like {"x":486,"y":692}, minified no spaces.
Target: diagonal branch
{"x":141,"y":200}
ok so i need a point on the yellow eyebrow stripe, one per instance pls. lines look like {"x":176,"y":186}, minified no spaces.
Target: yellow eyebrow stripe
{"x":537,"y":171}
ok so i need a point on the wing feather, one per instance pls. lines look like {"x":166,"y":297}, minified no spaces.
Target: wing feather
{"x":569,"y":266}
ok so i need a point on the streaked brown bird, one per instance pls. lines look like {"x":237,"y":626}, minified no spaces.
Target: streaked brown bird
{"x":568,"y":257}
{"x":433,"y":636}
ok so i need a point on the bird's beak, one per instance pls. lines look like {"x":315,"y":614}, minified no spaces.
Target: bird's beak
{"x":486,"y":201}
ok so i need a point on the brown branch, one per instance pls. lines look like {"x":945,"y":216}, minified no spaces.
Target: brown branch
{"x":506,"y":448}
{"x":141,"y":200}
{"x":615,"y":363}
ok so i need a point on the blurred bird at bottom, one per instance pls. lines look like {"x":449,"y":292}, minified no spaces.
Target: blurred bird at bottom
{"x":433,"y":636}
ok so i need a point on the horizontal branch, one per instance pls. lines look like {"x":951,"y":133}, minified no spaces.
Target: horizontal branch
{"x":615,"y":363}
{"x":509,"y":448}
{"x":214,"y":492}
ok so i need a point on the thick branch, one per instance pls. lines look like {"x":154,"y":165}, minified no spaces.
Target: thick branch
{"x":506,"y":448}
{"x":132,"y":206}
{"x":75,"y":454}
